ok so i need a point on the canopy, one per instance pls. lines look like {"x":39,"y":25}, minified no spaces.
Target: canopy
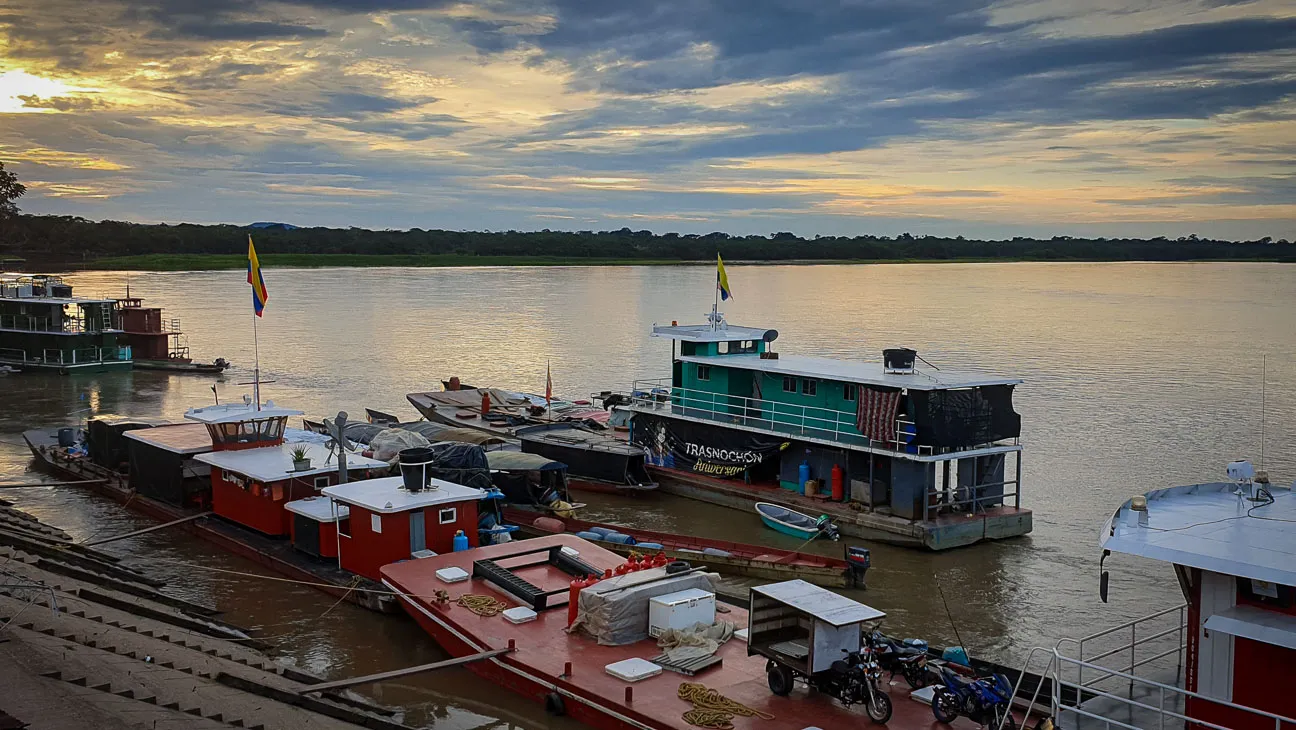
{"x":518,"y":461}
{"x":467,"y":436}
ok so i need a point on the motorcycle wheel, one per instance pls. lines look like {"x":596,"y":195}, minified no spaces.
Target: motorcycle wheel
{"x":879,"y":708}
{"x":780,"y":680}
{"x":997,"y":716}
{"x":916,"y":677}
{"x":945,"y":706}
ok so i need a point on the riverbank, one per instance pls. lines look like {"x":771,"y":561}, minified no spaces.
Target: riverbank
{"x":218,"y":262}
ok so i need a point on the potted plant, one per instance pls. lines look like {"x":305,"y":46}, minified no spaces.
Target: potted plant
{"x":301,"y":462}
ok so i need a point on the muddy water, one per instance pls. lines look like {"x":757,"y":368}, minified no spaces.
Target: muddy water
{"x":1139,"y":376}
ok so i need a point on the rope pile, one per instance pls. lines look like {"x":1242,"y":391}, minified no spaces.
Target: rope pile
{"x":482,"y":605}
{"x":713,"y":710}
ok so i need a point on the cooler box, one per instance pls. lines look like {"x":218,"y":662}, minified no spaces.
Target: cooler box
{"x":680,"y":610}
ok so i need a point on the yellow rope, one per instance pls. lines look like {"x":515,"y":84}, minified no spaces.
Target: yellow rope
{"x":707,"y":699}
{"x":482,"y":605}
{"x":709,"y":719}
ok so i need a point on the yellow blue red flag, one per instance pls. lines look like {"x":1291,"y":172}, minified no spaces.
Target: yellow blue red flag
{"x":722,"y":280}
{"x":259,"y":293}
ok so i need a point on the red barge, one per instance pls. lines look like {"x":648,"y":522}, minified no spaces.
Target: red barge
{"x":565,"y":671}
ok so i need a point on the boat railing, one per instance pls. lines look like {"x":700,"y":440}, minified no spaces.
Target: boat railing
{"x":1119,"y":698}
{"x":30,"y":323}
{"x":81,"y":356}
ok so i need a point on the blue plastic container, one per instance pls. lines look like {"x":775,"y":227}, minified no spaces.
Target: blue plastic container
{"x":601,"y":531}
{"x":803,"y":475}
{"x":649,"y":545}
{"x":956,"y":654}
{"x":589,"y":535}
{"x":460,"y":542}
{"x":717,"y":552}
{"x":619,"y":538}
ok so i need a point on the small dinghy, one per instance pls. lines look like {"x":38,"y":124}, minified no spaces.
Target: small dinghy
{"x":790,"y":522}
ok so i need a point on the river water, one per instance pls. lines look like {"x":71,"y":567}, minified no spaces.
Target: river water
{"x":1138,"y":376}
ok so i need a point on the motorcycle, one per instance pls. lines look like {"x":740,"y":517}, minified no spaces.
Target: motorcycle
{"x":853,"y":679}
{"x":986,"y":700}
{"x":908,"y":658}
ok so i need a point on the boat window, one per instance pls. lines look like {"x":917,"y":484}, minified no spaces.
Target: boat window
{"x":447,"y":515}
{"x":808,"y":387}
{"x":789,"y":384}
{"x":321,"y":482}
{"x":375,"y":523}
{"x":722,"y":348}
{"x":850,"y":391}
{"x":703,"y":372}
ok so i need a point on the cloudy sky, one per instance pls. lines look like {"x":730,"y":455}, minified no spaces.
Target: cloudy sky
{"x":1016,"y":117}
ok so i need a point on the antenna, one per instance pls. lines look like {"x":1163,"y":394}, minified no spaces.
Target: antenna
{"x":1264,"y":376}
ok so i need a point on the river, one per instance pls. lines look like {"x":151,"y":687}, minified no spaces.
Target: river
{"x":1138,"y":376}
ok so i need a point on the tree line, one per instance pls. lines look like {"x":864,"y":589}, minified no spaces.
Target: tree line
{"x":69,"y":239}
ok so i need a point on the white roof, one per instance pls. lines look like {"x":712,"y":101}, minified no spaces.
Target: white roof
{"x":706,"y":333}
{"x":388,"y":494}
{"x":820,"y":603}
{"x":850,"y":371}
{"x":274,"y":463}
{"x":1207,"y":526}
{"x":319,"y":509}
{"x":236,"y":412}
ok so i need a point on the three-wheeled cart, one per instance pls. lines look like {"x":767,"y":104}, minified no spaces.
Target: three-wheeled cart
{"x":813,"y":635}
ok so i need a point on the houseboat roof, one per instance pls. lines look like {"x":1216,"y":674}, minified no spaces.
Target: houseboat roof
{"x":850,"y":371}
{"x":1209,"y":526}
{"x":706,"y":333}
{"x":820,"y":603}
{"x":237,"y":412}
{"x":275,"y":463}
{"x":388,"y":494}
{"x":178,"y":438}
{"x":318,"y":509}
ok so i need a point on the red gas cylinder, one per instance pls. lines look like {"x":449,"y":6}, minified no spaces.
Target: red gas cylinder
{"x":485,"y":403}
{"x":573,"y":599}
{"x":607,"y":574}
{"x":838,"y":483}
{"x":661,"y":560}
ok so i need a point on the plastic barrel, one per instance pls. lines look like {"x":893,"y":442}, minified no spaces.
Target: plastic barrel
{"x":649,"y":545}
{"x":601,"y":531}
{"x":413,"y":466}
{"x":66,"y":437}
{"x":619,"y":538}
{"x":587,"y":535}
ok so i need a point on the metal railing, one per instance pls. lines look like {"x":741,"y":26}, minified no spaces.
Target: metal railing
{"x":784,"y":418}
{"x":80,"y":356}
{"x":1085,"y":693}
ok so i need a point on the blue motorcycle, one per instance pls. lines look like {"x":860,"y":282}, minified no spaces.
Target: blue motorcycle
{"x":986,"y":700}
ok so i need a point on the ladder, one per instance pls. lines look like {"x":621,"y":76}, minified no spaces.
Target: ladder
{"x":106,"y":312}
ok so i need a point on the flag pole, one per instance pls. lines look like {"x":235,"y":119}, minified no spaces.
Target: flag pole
{"x":256,"y":366}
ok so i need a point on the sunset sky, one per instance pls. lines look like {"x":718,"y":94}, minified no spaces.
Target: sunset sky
{"x":1020,"y":117}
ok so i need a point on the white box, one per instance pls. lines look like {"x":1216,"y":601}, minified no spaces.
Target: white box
{"x":680,"y":610}
{"x":519,"y":615}
{"x":452,"y":575}
{"x":633,"y":670}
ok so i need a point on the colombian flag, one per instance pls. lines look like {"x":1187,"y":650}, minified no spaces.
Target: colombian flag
{"x":259,"y":293}
{"x":722,"y":280}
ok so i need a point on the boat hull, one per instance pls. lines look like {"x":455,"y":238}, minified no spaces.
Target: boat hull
{"x":179,"y":366}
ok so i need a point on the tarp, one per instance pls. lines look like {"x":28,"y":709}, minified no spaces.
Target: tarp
{"x":964,"y":417}
{"x":615,"y":611}
{"x":710,"y":450}
{"x":518,"y":461}
{"x":388,"y":443}
{"x":461,"y":464}
{"x":698,"y":640}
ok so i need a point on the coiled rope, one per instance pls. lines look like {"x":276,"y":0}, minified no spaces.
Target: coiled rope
{"x":713,"y":710}
{"x":482,"y":605}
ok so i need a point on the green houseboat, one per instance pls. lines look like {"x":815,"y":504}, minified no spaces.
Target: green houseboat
{"x":891,"y":451}
{"x":44,"y":327}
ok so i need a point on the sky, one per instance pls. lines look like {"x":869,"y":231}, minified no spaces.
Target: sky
{"x":951,"y":117}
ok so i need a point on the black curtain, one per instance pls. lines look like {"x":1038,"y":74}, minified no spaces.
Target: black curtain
{"x":964,"y":417}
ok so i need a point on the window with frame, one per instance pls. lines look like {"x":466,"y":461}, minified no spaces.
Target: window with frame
{"x":722,"y":348}
{"x":375,"y":523}
{"x":321,"y":482}
{"x":447,"y":515}
{"x":850,"y":392}
{"x":789,"y":384}
{"x":809,"y":387}
{"x":703,"y":372}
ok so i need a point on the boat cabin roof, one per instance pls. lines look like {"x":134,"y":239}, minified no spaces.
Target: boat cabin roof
{"x":179,"y":438}
{"x":388,"y":494}
{"x":318,"y":509}
{"x":1210,"y":527}
{"x":238,"y":412}
{"x":820,"y":603}
{"x":706,"y":333}
{"x":275,"y":463}
{"x":851,"y":371}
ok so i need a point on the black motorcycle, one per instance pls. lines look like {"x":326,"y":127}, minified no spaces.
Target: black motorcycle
{"x":908,"y":659}
{"x":854,"y":679}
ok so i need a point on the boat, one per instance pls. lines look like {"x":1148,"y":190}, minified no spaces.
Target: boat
{"x":893,"y":451}
{"x":597,"y":461}
{"x":613,"y":682}
{"x":733,"y":558}
{"x":502,"y":412}
{"x":157,"y":343}
{"x":8,"y":370}
{"x":791,"y":522}
{"x":44,"y":327}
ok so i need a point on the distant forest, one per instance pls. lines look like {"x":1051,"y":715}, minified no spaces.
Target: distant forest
{"x":47,"y":240}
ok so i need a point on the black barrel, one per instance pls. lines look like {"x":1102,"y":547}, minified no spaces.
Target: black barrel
{"x":67,"y":437}
{"x":414,"y":465}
